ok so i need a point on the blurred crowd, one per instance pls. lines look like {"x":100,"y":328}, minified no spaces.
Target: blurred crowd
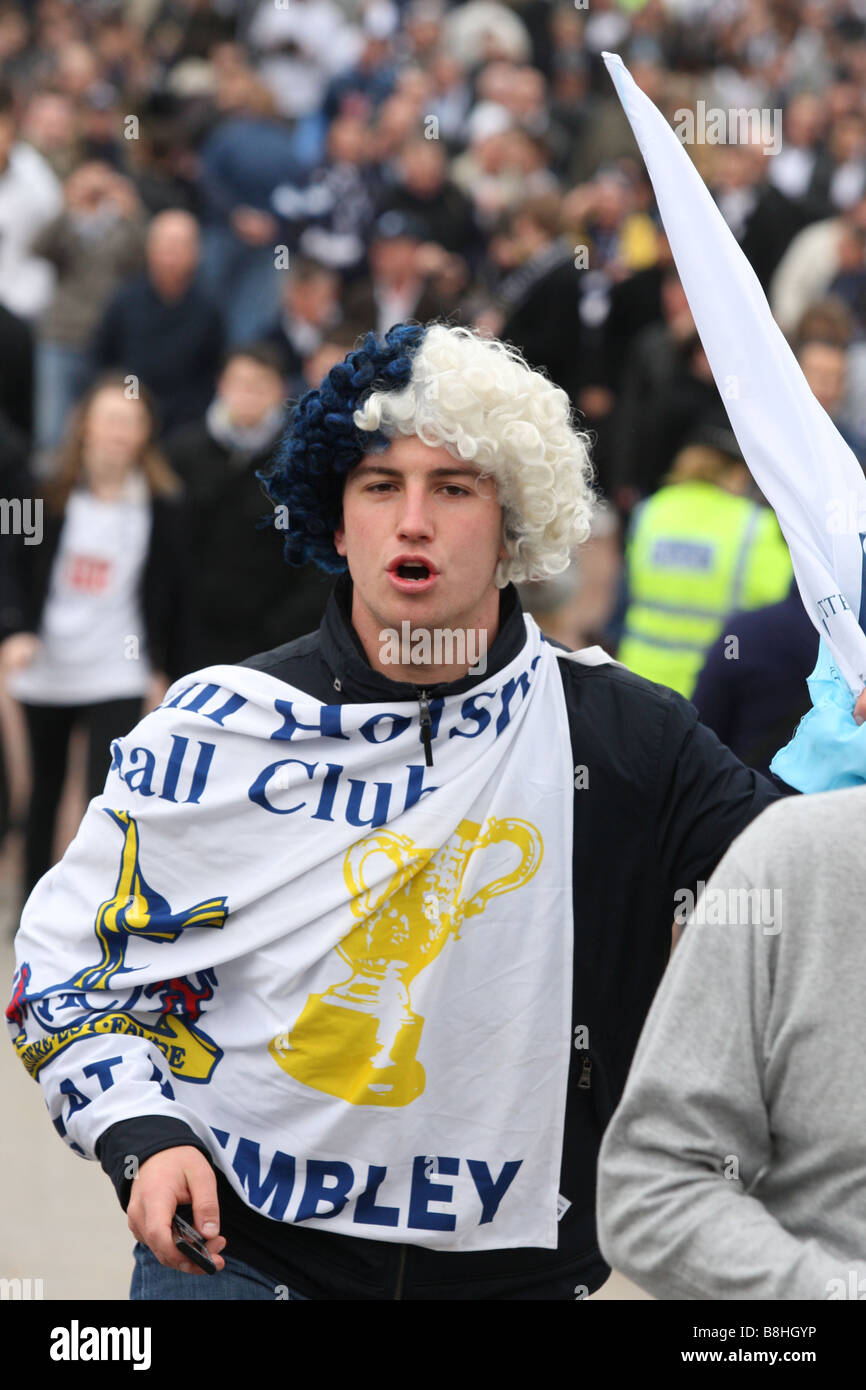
{"x":203,"y":204}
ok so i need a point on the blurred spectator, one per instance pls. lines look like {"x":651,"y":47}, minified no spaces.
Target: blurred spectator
{"x":813,"y":260}
{"x":604,"y":216}
{"x":752,"y":689}
{"x":96,"y":241}
{"x":50,"y":125}
{"x":161,"y":328}
{"x":310,"y":308}
{"x":485,"y":171}
{"x":825,"y":366}
{"x":412,"y":278}
{"x":361,"y":89}
{"x":247,"y":598}
{"x":329,"y":217}
{"x":101,"y":126}
{"x":483,"y":30}
{"x":299,"y":47}
{"x":697,"y":550}
{"x":16,"y":374}
{"x":423,"y":190}
{"x":846,"y":160}
{"x":761,"y":217}
{"x":102,"y":601}
{"x":829,"y":320}
{"x":451,"y":96}
{"x":797,"y":169}
{"x":536,"y":303}
{"x":245,"y":158}
{"x":667,"y":389}
{"x":30,"y":196}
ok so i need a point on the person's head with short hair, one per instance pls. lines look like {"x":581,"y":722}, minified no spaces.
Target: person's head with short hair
{"x":423,"y":167}
{"x":394,"y":244}
{"x":349,"y":140}
{"x":442,"y":446}
{"x":824,"y":364}
{"x":172,"y":252}
{"x":312,"y":291}
{"x":536,"y":222}
{"x":828,"y":320}
{"x":251,"y":383}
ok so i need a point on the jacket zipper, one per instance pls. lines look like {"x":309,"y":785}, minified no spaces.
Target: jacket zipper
{"x":583,"y":1080}
{"x":426,"y":726}
{"x":401,"y":1270}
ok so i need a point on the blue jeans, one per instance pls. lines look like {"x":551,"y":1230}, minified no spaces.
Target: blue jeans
{"x":244,"y":281}
{"x":62,"y":375}
{"x":151,"y":1280}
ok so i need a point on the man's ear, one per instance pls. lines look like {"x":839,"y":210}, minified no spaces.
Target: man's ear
{"x":340,"y":537}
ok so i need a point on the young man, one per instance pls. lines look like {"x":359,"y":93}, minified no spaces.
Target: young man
{"x":380,"y":913}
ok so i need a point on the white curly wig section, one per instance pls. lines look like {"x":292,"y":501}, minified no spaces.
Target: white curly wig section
{"x":478,"y":398}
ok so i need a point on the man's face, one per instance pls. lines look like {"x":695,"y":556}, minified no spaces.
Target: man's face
{"x":825,"y":369}
{"x":250,"y":390}
{"x":419,"y":502}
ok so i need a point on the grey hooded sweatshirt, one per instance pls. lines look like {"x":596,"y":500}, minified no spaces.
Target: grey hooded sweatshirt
{"x":735,"y":1165}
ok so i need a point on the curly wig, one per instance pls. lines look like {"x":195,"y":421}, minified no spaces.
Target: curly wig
{"x":448,"y":386}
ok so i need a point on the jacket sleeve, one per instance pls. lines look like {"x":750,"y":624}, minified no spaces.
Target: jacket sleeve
{"x":691,"y":1136}
{"x":705,"y":797}
{"x":138,"y":1140}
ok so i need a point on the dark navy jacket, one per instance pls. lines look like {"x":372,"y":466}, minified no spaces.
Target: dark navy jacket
{"x":658,"y":804}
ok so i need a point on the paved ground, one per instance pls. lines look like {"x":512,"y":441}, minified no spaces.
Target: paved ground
{"x":59,"y":1218}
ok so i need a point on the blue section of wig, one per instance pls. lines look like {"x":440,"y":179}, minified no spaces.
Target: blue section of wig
{"x":322,"y":443}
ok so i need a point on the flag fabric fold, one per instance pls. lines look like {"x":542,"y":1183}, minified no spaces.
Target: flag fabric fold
{"x":795,"y":453}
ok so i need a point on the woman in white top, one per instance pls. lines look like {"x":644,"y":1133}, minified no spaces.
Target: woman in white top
{"x":101,"y":601}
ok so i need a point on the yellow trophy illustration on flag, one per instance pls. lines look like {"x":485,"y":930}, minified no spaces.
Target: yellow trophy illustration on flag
{"x":358,"y":1040}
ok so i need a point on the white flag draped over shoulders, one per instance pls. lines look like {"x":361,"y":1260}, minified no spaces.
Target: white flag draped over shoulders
{"x":795,"y":453}
{"x":348,"y":972}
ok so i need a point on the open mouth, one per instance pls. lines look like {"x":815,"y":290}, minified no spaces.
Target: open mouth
{"x":413,"y":571}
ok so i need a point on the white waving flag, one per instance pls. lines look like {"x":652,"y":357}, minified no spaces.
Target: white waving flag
{"x":794,"y":451}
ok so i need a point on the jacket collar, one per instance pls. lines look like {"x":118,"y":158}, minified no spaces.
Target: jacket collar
{"x":347,"y":661}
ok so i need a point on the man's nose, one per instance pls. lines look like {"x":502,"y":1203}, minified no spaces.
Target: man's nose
{"x":416,"y":517}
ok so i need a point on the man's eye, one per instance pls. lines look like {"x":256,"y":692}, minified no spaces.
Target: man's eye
{"x":374,"y":487}
{"x":455,"y":488}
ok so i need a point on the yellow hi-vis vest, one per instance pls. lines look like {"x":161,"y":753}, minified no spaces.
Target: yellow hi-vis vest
{"x":696,"y":554}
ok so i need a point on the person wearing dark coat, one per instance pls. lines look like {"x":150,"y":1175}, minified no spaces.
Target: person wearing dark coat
{"x":246,"y":597}
{"x":752,"y":690}
{"x":539,"y":300}
{"x":161,"y":328}
{"x":16,"y":371}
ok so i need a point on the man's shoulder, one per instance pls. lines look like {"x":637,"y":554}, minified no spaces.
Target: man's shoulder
{"x":594,"y":679}
{"x":623,"y":720}
{"x":298,"y":663}
{"x":810,"y":831}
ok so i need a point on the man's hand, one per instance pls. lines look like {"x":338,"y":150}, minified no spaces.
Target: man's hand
{"x":169,"y":1179}
{"x":254,"y":227}
{"x":860,"y":708}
